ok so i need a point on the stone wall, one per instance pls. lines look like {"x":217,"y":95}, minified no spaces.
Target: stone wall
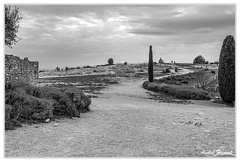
{"x":17,"y":69}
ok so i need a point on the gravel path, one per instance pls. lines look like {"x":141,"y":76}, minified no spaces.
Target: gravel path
{"x":124,"y":122}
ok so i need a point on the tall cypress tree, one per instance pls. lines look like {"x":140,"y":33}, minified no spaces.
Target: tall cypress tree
{"x":150,"y":65}
{"x":226,"y":70}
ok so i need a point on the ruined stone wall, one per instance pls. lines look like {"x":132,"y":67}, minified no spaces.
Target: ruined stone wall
{"x":17,"y":69}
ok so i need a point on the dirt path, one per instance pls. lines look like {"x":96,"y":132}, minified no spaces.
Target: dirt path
{"x":125,"y":123}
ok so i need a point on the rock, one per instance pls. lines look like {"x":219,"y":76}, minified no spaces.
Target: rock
{"x":37,"y":126}
{"x":190,"y":122}
{"x":200,"y":113}
{"x":198,"y":124}
{"x":55,"y":125}
{"x":47,"y":120}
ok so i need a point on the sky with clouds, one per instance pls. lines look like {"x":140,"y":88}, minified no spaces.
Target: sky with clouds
{"x":79,"y":35}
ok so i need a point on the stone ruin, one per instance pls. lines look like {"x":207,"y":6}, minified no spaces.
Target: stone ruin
{"x":17,"y":69}
{"x":160,"y":61}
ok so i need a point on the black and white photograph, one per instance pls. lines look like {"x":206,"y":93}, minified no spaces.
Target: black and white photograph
{"x":101,"y":80}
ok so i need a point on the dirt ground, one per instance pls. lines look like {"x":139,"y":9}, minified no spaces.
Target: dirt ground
{"x":125,"y":122}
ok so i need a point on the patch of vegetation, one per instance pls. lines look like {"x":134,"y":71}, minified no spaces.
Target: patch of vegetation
{"x":177,"y":79}
{"x":180,"y":92}
{"x":27,"y":103}
{"x":88,"y":83}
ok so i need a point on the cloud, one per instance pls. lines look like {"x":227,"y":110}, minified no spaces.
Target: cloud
{"x":89,"y":34}
{"x":188,"y":22}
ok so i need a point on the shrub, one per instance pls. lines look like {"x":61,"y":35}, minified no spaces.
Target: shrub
{"x":226,"y":70}
{"x":8,"y":109}
{"x":28,"y":103}
{"x":176,"y":69}
{"x":168,"y":70}
{"x":110,"y":61}
{"x":23,"y":106}
{"x":12,"y":124}
{"x":181,"y":92}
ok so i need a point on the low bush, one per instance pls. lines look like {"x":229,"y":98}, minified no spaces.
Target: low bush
{"x":178,"y":79}
{"x":176,"y":69}
{"x":28,"y":103}
{"x":167,"y":70}
{"x":180,"y":92}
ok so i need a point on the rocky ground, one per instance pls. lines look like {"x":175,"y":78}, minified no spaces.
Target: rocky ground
{"x":125,"y":122}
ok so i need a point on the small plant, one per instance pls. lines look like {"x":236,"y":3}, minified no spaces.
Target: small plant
{"x":176,"y":69}
{"x":125,"y":63}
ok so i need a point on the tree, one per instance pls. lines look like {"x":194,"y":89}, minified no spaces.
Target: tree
{"x":57,"y":68}
{"x":199,"y":60}
{"x":150,"y":65}
{"x":110,"y":61}
{"x":226,"y":70}
{"x":67,"y":68}
{"x":11,"y":26}
{"x":200,"y":76}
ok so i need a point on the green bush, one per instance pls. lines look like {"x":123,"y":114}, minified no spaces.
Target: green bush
{"x":181,"y":92}
{"x":28,"y":103}
{"x":23,"y":106}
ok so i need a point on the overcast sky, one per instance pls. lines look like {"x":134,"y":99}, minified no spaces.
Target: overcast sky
{"x":79,"y":35}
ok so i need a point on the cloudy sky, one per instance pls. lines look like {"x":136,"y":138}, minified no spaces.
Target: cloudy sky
{"x":79,"y":35}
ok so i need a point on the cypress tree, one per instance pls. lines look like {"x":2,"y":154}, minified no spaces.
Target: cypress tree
{"x":150,"y":65}
{"x":226,"y":70}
